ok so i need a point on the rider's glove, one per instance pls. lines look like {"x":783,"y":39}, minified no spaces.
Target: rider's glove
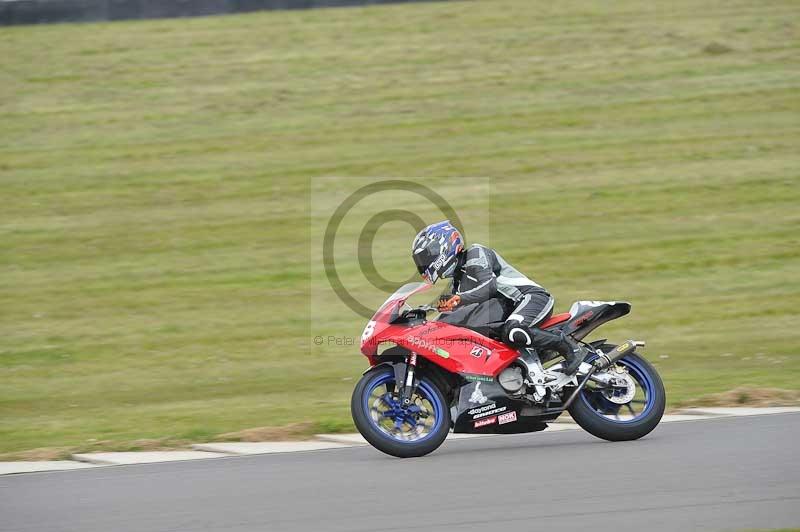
{"x":448,"y":303}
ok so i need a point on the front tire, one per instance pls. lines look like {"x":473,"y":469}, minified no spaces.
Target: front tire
{"x":371,"y":422}
{"x":597,"y":416}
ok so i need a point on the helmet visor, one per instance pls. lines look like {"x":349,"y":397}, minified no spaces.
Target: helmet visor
{"x":425,"y":258}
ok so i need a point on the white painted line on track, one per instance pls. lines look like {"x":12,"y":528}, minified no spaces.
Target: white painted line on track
{"x":7,"y":468}
{"x":669,"y":418}
{"x":739,"y":411}
{"x":147,"y":457}
{"x":268,"y":447}
{"x":346,"y":439}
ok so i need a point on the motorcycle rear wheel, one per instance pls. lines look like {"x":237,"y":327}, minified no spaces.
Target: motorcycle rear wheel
{"x":404,"y":433}
{"x":601,"y":417}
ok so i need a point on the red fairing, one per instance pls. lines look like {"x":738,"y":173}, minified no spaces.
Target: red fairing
{"x":377,"y":328}
{"x":455,"y":349}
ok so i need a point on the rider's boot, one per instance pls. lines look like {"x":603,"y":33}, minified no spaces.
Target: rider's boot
{"x":571,"y":350}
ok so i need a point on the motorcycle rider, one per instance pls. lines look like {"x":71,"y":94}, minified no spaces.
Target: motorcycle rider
{"x":480,"y":274}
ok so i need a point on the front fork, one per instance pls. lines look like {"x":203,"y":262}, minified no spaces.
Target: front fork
{"x":405,"y":377}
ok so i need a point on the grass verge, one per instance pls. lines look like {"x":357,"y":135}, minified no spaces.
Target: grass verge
{"x":155,"y":272}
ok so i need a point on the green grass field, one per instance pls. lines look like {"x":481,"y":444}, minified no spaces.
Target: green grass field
{"x":157,"y":259}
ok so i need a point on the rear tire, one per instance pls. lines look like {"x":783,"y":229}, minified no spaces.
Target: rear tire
{"x":381,"y":440}
{"x":594,"y":423}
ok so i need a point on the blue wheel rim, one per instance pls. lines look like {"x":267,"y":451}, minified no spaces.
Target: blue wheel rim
{"x":638,"y":408}
{"x":413,"y":424}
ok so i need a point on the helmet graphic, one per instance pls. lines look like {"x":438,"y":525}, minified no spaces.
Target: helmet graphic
{"x":435,"y":250}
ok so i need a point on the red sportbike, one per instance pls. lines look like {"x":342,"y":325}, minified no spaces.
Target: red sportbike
{"x":428,"y":377}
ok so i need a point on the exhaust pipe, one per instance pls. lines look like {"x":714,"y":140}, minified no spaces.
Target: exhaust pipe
{"x":601,"y":363}
{"x":606,"y":360}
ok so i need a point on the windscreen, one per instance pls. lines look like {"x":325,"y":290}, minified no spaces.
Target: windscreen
{"x":402,"y":293}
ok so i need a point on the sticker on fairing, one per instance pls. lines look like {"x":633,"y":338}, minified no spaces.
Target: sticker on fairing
{"x":425,"y":344}
{"x":484,"y":422}
{"x":486,"y":411}
{"x":477,"y":396}
{"x":508,"y":417}
{"x":368,"y":331}
{"x":477,"y":378}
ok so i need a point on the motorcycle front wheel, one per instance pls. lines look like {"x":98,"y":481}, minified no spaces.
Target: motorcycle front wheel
{"x":403,"y":431}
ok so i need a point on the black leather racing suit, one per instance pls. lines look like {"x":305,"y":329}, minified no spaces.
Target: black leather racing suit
{"x":482,"y":274}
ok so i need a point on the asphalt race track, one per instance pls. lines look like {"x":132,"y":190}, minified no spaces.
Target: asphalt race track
{"x":719,"y":474}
